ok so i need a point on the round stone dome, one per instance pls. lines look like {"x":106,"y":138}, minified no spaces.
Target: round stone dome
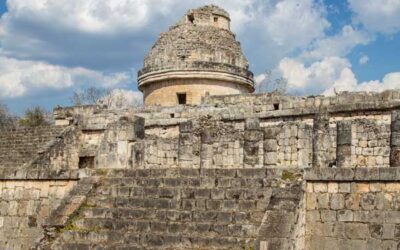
{"x":199,"y":49}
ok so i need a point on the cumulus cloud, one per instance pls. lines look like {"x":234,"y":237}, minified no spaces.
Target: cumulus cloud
{"x":315,"y":78}
{"x":20,"y":77}
{"x":77,"y":39}
{"x":329,"y":76}
{"x":110,"y":35}
{"x":57,"y":44}
{"x":294,"y":23}
{"x":348,"y":82}
{"x":123,"y":98}
{"x":345,"y":82}
{"x":377,"y":16}
{"x":338,"y":45}
{"x":281,"y":28}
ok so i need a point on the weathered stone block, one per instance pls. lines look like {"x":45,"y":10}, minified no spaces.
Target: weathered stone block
{"x":252,"y":124}
{"x":328,"y":216}
{"x":337,"y":201}
{"x":356,"y":231}
{"x":345,"y":215}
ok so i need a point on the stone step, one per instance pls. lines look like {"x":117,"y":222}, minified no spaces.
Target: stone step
{"x":182,"y":204}
{"x":187,"y":172}
{"x":21,"y":145}
{"x":249,"y":183}
{"x":146,"y":209}
{"x":154,"y":241}
{"x":188,"y":192}
{"x":177,"y":215}
{"x":149,"y":236}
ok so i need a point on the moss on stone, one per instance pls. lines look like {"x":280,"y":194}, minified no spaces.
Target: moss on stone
{"x":289,"y":176}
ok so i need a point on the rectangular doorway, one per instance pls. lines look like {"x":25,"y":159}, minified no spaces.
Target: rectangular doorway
{"x":181,"y":98}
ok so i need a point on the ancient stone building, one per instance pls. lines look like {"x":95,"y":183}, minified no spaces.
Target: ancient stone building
{"x":198,"y":56}
{"x":249,"y":171}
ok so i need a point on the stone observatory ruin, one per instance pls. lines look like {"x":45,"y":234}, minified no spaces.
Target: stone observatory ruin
{"x":198,"y":56}
{"x":241,"y":171}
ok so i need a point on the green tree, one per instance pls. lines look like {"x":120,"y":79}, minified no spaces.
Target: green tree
{"x":34,"y":117}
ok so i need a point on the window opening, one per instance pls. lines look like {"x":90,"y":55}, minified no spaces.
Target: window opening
{"x":181,"y":98}
{"x":86,"y":162}
{"x":191,"y":18}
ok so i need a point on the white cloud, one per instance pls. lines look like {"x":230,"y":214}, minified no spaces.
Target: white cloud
{"x":295,"y":24}
{"x":338,"y":45}
{"x":21,"y":77}
{"x":113,"y":16}
{"x":329,"y":76}
{"x":377,"y":15}
{"x":123,"y":98}
{"x":389,"y":81}
{"x":349,"y":83}
{"x":345,"y":82}
{"x":87,"y":16}
{"x":315,"y":78}
{"x":57,"y":44}
{"x":363,"y":60}
{"x":110,"y":35}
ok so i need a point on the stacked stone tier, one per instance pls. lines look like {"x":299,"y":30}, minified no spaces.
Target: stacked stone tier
{"x":19,"y":146}
{"x":185,"y":209}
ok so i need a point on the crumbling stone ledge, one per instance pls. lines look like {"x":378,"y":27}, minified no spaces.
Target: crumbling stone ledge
{"x":65,"y":211}
{"x":41,"y":174}
{"x":353,"y":174}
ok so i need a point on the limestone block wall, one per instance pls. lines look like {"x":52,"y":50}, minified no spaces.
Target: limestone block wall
{"x":190,"y":177}
{"x":353,"y":209}
{"x":166,"y":92}
{"x":22,"y":145}
{"x":230,"y":144}
{"x":161,"y":152}
{"x":370,"y":143}
{"x":117,"y":146}
{"x":365,"y":139}
{"x":313,"y":131}
{"x":24,"y":206}
{"x":216,"y":144}
{"x":294,"y":145}
{"x":186,"y":208}
{"x":62,"y":153}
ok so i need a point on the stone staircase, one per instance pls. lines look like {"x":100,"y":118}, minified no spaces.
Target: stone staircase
{"x":20,"y":146}
{"x":184,"y":209}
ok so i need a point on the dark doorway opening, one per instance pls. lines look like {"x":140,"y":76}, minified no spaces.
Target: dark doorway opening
{"x":86,"y":162}
{"x":191,"y":18}
{"x":181,"y":98}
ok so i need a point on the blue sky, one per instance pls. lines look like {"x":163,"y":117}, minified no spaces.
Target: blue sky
{"x":50,"y":48}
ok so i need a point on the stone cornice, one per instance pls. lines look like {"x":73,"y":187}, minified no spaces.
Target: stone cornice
{"x":157,"y":76}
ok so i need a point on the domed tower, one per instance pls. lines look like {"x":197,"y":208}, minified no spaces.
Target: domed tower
{"x":198,"y":56}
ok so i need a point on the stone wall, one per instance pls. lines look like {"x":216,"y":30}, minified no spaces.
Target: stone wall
{"x":214,"y":144}
{"x":22,"y":145}
{"x":188,"y":209}
{"x":353,"y":210}
{"x":166,"y":92}
{"x":265,"y":172}
{"x":24,"y":206}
